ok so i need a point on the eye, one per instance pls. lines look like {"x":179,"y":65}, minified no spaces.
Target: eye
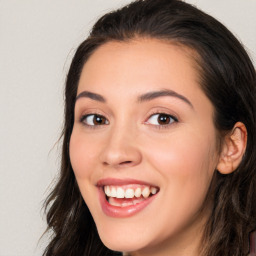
{"x":161,"y":119}
{"x":94,"y":119}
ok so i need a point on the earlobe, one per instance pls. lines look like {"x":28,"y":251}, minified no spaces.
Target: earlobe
{"x":233,"y":149}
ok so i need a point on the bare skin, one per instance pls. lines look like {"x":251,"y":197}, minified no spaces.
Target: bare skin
{"x":128,"y":128}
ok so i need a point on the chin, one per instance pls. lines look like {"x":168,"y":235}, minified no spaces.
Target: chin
{"x":124,"y":246}
{"x":124,"y":242}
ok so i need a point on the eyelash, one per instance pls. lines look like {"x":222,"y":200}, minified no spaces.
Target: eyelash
{"x":93,"y":115}
{"x":173,"y":120}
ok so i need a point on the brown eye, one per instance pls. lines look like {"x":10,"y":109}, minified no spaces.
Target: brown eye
{"x":93,"y":119}
{"x":161,"y":119}
{"x":98,"y":120}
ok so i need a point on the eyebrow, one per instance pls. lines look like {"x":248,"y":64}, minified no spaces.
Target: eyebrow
{"x":142,"y":98}
{"x":156,"y":94}
{"x":90,"y":95}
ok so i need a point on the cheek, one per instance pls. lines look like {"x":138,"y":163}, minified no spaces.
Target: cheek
{"x":186,"y":171}
{"x":186,"y":163}
{"x":82,"y":155}
{"x":83,"y":161}
{"x":188,"y":156}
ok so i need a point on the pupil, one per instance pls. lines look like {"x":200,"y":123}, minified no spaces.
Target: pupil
{"x":164,"y":119}
{"x":98,"y":120}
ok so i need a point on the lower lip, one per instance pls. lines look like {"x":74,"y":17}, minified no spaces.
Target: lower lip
{"x":122,"y":212}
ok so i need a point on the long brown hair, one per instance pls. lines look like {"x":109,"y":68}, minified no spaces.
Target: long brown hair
{"x":228,"y":79}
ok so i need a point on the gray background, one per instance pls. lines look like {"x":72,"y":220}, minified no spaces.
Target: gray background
{"x":37,"y":42}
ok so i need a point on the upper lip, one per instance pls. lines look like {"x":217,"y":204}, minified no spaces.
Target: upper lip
{"x":120,"y":182}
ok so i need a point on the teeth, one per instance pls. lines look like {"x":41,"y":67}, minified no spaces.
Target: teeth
{"x":153,"y":190}
{"x":138,"y":192}
{"x":107,"y":190}
{"x":113,"y":203}
{"x":146,"y":192}
{"x":113,"y":192}
{"x":124,"y":204}
{"x":129,"y":193}
{"x":120,"y":192}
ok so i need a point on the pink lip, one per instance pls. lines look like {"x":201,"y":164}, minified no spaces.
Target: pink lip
{"x":120,"y":182}
{"x":121,"y":212}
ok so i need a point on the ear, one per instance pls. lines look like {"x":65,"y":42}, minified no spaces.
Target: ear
{"x":233,"y":149}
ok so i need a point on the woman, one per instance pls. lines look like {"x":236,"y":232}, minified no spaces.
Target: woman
{"x":159,"y":138}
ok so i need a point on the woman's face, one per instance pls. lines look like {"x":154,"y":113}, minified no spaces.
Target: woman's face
{"x":144,"y":135}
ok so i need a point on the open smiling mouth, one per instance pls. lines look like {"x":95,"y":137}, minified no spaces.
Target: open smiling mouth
{"x":126,"y":200}
{"x":123,"y":197}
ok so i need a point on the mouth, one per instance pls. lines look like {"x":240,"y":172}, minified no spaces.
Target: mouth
{"x":123,"y":196}
{"x":120,"y":198}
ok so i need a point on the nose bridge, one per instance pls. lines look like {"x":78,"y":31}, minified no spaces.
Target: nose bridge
{"x":121,"y":148}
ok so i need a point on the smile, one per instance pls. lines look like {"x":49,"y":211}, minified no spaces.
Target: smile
{"x":136,"y":194}
{"x":126,"y":199}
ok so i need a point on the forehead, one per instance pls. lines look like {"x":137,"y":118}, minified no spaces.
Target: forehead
{"x":140,"y":65}
{"x":143,"y":52}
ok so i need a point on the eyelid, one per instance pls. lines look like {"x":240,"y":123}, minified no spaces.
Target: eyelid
{"x":87,"y":108}
{"x":171,"y":116}
{"x":165,"y":111}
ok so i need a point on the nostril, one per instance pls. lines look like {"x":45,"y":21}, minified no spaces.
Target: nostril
{"x":125,"y":162}
{"x":121,"y":163}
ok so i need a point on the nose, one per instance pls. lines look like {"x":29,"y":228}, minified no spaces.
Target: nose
{"x":120,"y":149}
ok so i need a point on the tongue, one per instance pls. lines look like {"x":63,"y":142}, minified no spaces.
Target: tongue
{"x":123,"y":202}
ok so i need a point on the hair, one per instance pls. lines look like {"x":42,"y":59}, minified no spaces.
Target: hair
{"x":227,"y":77}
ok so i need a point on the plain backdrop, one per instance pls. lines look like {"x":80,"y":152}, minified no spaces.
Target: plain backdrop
{"x":37,"y":42}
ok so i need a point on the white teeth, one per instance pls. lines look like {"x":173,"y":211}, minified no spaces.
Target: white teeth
{"x":138,"y":192}
{"x":129,"y":193}
{"x":120,"y":193}
{"x":153,"y":190}
{"x":124,"y":204}
{"x":113,"y":192}
{"x":146,"y":192}
{"x":112,"y":202}
{"x":107,"y":190}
